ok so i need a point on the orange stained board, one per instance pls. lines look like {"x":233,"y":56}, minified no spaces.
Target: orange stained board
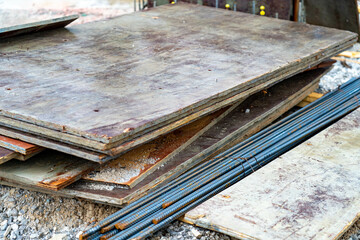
{"x":18,"y":146}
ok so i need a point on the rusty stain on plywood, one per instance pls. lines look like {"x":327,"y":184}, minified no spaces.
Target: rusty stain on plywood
{"x":49,"y":169}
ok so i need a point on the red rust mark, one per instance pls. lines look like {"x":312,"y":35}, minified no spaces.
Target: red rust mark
{"x":226,"y":196}
{"x":126,"y":130}
{"x":244,"y":219}
{"x":121,"y":226}
{"x":61,"y":182}
{"x":18,"y":143}
{"x":57,"y":184}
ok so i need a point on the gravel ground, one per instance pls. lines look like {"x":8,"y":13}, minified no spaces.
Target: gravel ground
{"x":31,"y":215}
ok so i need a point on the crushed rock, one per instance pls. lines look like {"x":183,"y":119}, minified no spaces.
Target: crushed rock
{"x":340,"y":73}
{"x":32,"y":215}
{"x":121,"y":173}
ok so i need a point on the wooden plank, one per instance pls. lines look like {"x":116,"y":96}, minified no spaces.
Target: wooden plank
{"x":23,"y":157}
{"x":6,"y":155}
{"x":135,"y":165}
{"x":334,"y":14}
{"x":49,"y":169}
{"x":267,"y":109}
{"x":311,"y":192}
{"x":96,"y":51}
{"x":309,"y":99}
{"x":51,"y":144}
{"x":18,"y":146}
{"x":32,"y":27}
{"x":161,"y":146}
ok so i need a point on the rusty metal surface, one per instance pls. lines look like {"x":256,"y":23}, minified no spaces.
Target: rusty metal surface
{"x":108,"y":80}
{"x":333,"y":13}
{"x":37,"y":26}
{"x":311,"y":192}
{"x":49,"y":169}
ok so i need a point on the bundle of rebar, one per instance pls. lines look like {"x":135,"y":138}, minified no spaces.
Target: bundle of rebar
{"x":161,"y":207}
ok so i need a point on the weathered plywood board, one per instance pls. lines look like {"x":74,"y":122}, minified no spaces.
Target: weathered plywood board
{"x":135,"y":165}
{"x":267,"y":108}
{"x":311,"y":192}
{"x":18,"y":146}
{"x":49,"y":169}
{"x":111,"y":81}
{"x":6,"y":155}
{"x":31,"y":27}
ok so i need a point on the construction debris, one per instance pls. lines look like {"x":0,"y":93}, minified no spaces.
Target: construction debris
{"x":140,"y":95}
{"x":108,"y":122}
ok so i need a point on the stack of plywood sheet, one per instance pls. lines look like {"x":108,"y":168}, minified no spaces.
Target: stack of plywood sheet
{"x":149,"y":94}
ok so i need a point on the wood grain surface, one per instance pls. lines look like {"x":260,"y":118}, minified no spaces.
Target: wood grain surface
{"x":49,"y":169}
{"x":7,"y":155}
{"x":107,"y":81}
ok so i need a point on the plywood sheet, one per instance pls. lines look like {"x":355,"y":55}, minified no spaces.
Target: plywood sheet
{"x":50,"y":169}
{"x":135,"y":165}
{"x":108,"y":81}
{"x":37,"y":26}
{"x":311,"y":192}
{"x":18,"y":146}
{"x":265,"y":111}
{"x":6,"y":155}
